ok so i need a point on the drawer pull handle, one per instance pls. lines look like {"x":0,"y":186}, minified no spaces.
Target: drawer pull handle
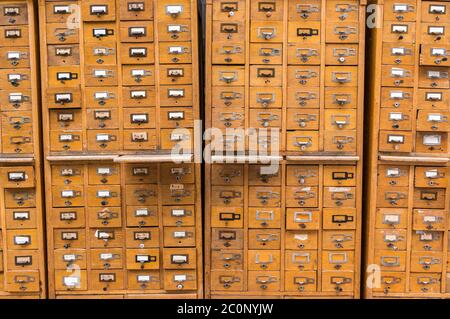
{"x":302,"y":175}
{"x":338,"y":281}
{"x":13,"y":34}
{"x":229,"y":7}
{"x":227,"y":196}
{"x":228,"y":175}
{"x":340,"y":120}
{"x":267,"y":7}
{"x":99,"y":10}
{"x":266,"y":238}
{"x":228,"y":77}
{"x":136,"y":7}
{"x":229,"y":216}
{"x":305,"y":10}
{"x":307,"y":32}
{"x":229,"y":28}
{"x":265,"y":118}
{"x":427,"y":261}
{"x":68,"y":216}
{"x":342,"y":77}
{"x":304,"y":119}
{"x":303,"y":142}
{"x":338,"y":240}
{"x":301,"y":282}
{"x":341,"y":141}
{"x":265,"y":99}
{"x":305,"y":54}
{"x":302,"y":218}
{"x":427,"y":281}
{"x":61,"y":9}
{"x":264,"y":197}
{"x":437,"y":9}
{"x":101,"y":32}
{"x":342,"y":219}
{"x":344,"y":32}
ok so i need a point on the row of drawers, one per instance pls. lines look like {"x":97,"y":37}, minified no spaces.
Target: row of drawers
{"x":109,"y":10}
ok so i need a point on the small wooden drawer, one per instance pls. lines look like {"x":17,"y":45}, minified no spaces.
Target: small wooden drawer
{"x":111,"y":258}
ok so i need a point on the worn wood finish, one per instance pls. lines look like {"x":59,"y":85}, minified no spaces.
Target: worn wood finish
{"x":396,"y":177}
{"x":264,"y":70}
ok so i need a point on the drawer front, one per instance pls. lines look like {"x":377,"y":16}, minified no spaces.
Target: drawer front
{"x":227,"y":260}
{"x":14,"y":36}
{"x":69,"y":238}
{"x":21,"y":218}
{"x":302,"y":196}
{"x":266,"y":31}
{"x":18,"y":57}
{"x":339,"y":240}
{"x":140,"y":174}
{"x":180,"y":280}
{"x":394,"y":218}
{"x":144,"y":280}
{"x":106,"y":238}
{"x":100,"y":54}
{"x":303,"y":119}
{"x":143,"y":259}
{"x":64,"y":259}
{"x":20,"y":198}
{"x":98,"y":10}
{"x":105,"y":216}
{"x":227,"y":280}
{"x":142,"y":216}
{"x":223,"y":238}
{"x":177,"y":258}
{"x":227,"y":174}
{"x":393,"y":239}
{"x":304,"y":54}
{"x":103,"y":140}
{"x":146,"y":194}
{"x":138,"y":96}
{"x":342,"y":32}
{"x":299,"y":282}
{"x":14,"y":14}
{"x":266,"y":260}
{"x":106,"y":280}
{"x":302,"y":175}
{"x":22,"y":281}
{"x":264,"y":239}
{"x":68,"y":217}
{"x":179,"y":236}
{"x":308,"y":32}
{"x":338,"y":260}
{"x":100,"y":32}
{"x":262,"y":281}
{"x":67,"y":280}
{"x":302,"y":219}
{"x":301,"y":260}
{"x":178,"y":216}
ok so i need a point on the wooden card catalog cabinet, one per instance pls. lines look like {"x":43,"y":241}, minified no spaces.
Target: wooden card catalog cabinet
{"x":120,"y":76}
{"x":286,"y":230}
{"x":408,"y":195}
{"x":126,"y":230}
{"x":288,"y":72}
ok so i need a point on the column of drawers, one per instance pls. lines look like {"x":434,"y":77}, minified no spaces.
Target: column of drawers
{"x":288,"y":231}
{"x":22,"y":258}
{"x":126,"y":96}
{"x":407,"y":181}
{"x":126,"y":229}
